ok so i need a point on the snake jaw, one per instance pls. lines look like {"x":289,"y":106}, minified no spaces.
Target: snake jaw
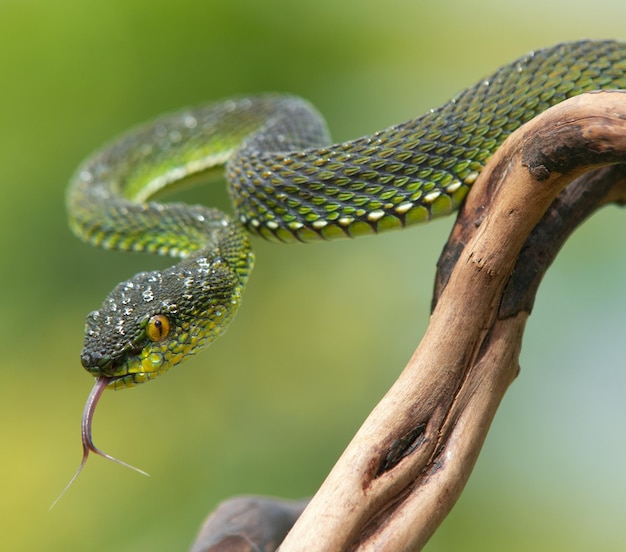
{"x":88,"y":445}
{"x":113,"y":367}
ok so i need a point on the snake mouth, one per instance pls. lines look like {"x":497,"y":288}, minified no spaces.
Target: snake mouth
{"x":101,"y":367}
{"x":112,"y":367}
{"x":95,"y":364}
{"x":127,"y":371}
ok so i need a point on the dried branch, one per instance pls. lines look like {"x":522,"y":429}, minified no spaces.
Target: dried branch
{"x":407,"y":465}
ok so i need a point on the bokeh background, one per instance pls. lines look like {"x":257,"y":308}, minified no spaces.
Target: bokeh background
{"x":325,"y":328}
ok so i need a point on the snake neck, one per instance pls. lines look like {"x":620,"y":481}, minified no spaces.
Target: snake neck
{"x":101,"y":217}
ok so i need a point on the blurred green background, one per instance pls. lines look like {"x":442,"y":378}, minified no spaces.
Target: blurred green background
{"x":325,"y":328}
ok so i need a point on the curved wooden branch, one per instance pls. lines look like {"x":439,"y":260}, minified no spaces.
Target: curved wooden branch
{"x":406,"y":466}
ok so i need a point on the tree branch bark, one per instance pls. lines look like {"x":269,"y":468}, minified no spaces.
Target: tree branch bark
{"x":408,"y":463}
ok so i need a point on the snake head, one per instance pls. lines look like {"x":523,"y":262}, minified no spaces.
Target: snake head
{"x":151,"y":323}
{"x":155,"y":320}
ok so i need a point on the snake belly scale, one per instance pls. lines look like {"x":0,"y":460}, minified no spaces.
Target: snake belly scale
{"x":287,"y":183}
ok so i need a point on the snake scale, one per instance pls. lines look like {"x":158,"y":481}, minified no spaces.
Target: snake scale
{"x":287,"y":184}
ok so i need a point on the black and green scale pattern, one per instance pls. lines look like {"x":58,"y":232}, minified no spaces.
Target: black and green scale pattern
{"x":419,"y":169}
{"x":287,"y":184}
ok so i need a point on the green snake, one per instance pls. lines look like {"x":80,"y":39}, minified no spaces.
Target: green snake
{"x":287,"y":183}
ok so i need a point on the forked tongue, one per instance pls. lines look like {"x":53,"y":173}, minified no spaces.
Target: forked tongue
{"x":88,"y":446}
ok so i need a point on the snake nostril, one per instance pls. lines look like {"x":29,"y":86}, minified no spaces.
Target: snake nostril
{"x":86,"y":360}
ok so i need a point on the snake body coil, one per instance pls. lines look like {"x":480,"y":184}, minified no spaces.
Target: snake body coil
{"x":286,"y":184}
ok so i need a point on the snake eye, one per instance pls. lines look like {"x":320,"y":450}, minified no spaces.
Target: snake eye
{"x":158,"y":327}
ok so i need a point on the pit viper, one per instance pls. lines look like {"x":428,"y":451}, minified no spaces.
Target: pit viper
{"x":287,"y":183}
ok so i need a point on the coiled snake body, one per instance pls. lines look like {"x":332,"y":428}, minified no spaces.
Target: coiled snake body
{"x":286,"y":184}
